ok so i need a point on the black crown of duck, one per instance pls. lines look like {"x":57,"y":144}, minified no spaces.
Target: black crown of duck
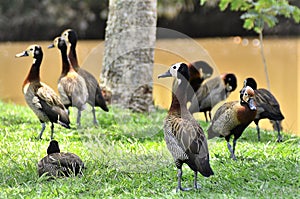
{"x":184,"y":137}
{"x":41,"y":98}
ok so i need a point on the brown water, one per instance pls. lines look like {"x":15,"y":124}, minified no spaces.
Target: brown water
{"x":240,"y":56}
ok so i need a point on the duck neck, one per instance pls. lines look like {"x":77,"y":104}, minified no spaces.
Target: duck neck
{"x":73,"y":56}
{"x":179,"y":98}
{"x":66,"y":67}
{"x":34,"y":73}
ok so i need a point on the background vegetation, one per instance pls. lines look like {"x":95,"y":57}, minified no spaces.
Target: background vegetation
{"x":22,"y":20}
{"x":126,"y":157}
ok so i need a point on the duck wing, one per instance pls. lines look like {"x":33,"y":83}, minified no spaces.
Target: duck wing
{"x":223,"y":120}
{"x":51,"y":105}
{"x":268,"y":106}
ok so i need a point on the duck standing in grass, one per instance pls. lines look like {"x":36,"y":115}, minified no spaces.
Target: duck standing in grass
{"x":71,"y":86}
{"x":59,"y":164}
{"x":212,"y":92}
{"x":42,"y":99}
{"x":184,"y":136}
{"x":267,"y":107}
{"x":233,"y":117}
{"x":95,"y":93}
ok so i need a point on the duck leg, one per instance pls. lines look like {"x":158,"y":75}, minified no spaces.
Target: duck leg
{"x":196,"y":186}
{"x":42,"y":130}
{"x":52,"y":131}
{"x":179,"y":176}
{"x":94,"y":116}
{"x":279,"y":137}
{"x":258,"y":130}
{"x":78,"y":118}
{"x":205,"y":115}
{"x":231,"y":150}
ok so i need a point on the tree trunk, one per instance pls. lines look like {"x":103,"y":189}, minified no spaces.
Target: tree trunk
{"x":129,"y":53}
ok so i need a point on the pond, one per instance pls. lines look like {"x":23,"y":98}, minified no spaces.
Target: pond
{"x":233,"y":54}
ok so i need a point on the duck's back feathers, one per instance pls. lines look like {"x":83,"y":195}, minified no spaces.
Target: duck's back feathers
{"x":60,"y":165}
{"x":208,"y":95}
{"x":268,"y":106}
{"x":94,"y":90}
{"x":73,"y":90}
{"x":46,"y":104}
{"x":186,"y":141}
{"x":224,"y":115}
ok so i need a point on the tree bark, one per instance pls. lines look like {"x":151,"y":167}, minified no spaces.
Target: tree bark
{"x":129,"y":53}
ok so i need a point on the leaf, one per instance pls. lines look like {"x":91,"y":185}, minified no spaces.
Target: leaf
{"x":248,"y":24}
{"x":224,"y":4}
{"x":202,"y":2}
{"x":249,"y":15}
{"x":270,"y":20}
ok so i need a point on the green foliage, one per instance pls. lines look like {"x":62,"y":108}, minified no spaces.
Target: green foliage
{"x":260,"y":12}
{"x":126,"y":157}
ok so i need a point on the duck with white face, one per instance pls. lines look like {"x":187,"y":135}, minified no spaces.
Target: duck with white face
{"x":184,"y":136}
{"x":41,"y":98}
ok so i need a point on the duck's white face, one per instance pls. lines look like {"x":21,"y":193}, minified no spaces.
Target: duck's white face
{"x":174,"y":69}
{"x":31,"y":51}
{"x":55,"y":42}
{"x":65,"y":35}
{"x":248,"y":97}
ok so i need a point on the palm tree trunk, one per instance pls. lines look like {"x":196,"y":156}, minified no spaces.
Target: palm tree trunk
{"x":129,"y":53}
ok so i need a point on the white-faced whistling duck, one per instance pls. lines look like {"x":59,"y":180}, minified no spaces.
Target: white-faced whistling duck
{"x":212,"y":92}
{"x":59,"y":164}
{"x":71,"y":86}
{"x":184,"y":136}
{"x":267,"y":107}
{"x":42,"y":99}
{"x":233,"y":117}
{"x":199,"y":71}
{"x":95,"y":94}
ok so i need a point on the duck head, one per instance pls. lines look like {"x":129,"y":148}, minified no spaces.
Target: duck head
{"x":247,"y":96}
{"x":34,"y":51}
{"x":59,"y":43}
{"x":230,"y":82}
{"x":179,"y":70}
{"x":70,"y":36}
{"x":53,"y":147}
{"x":250,"y":82}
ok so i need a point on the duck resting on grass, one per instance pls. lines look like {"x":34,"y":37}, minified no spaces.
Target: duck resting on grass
{"x":59,"y":164}
{"x":233,"y":117}
{"x":42,"y":99}
{"x":184,"y":136}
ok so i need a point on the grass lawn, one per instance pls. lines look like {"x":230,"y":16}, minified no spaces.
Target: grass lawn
{"x":126,"y":157}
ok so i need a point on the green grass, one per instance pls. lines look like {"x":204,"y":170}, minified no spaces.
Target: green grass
{"x":126,"y":157}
